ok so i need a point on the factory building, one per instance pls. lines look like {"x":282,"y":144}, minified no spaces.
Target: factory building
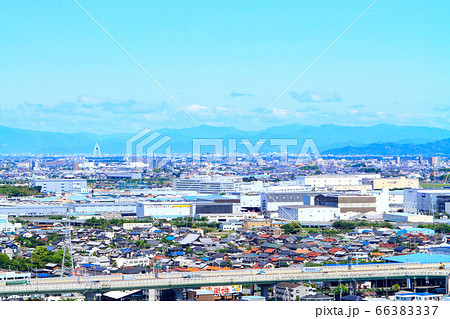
{"x":325,"y":181}
{"x":204,"y":186}
{"x":57,"y":186}
{"x":308,"y":213}
{"x":166,"y":210}
{"x":104,"y":209}
{"x":392,"y":183}
{"x":270,"y":202}
{"x":33,"y":210}
{"x":348,"y":203}
{"x":408,"y":218}
{"x":124,"y":175}
{"x":425,"y":200}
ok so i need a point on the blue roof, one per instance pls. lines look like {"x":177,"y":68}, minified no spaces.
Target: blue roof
{"x":161,"y":199}
{"x":170,"y":237}
{"x":77,"y":198}
{"x":426,"y":231}
{"x":97,"y":268}
{"x":46,"y":199}
{"x":196,"y":197}
{"x":419,"y":258}
{"x":88,"y":265}
{"x":417,"y":294}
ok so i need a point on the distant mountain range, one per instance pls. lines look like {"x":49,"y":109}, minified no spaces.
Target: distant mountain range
{"x":380,"y":139}
{"x":441,"y":147}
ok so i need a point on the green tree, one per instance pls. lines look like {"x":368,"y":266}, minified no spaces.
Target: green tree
{"x":5,"y":262}
{"x":395,"y":287}
{"x":340,"y":288}
{"x":40,"y":256}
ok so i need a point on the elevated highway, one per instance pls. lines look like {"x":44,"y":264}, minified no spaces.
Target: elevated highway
{"x":176,"y":280}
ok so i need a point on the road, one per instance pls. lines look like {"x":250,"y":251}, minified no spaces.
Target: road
{"x":218,"y":278}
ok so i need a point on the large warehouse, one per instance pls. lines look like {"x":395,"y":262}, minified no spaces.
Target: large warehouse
{"x":308,"y":213}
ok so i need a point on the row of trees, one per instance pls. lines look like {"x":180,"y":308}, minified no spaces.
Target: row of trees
{"x":19,"y":191}
{"x":339,"y":225}
{"x":102,"y":223}
{"x":40,"y":257}
{"x":438,"y":228}
{"x":195,"y":223}
{"x":348,"y":225}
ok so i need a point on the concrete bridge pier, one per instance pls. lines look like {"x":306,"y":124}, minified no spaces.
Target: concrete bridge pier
{"x":152,"y":294}
{"x":92,"y":296}
{"x":352,"y":288}
{"x":179,"y":294}
{"x":252,"y":290}
{"x":265,"y":291}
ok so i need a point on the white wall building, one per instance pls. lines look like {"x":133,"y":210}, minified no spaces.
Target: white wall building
{"x":382,"y":200}
{"x":103,"y":208}
{"x":292,"y":291}
{"x":249,"y":201}
{"x":67,"y":185}
{"x":205,"y":185}
{"x":132,"y":262}
{"x":33,"y":210}
{"x":408,"y":218}
{"x":308,"y":213}
{"x":270,"y":202}
{"x":6,"y":226}
{"x":164,"y":209}
{"x":224,"y":217}
{"x":324,"y":181}
{"x":423,"y":200}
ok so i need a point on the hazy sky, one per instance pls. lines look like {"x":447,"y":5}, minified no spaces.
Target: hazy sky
{"x":224,"y":62}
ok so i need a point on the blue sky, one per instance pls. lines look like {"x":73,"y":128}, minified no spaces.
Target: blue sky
{"x":225,"y":62}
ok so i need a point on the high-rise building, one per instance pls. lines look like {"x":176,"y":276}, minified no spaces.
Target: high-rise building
{"x":434,"y":160}
{"x":35,"y":165}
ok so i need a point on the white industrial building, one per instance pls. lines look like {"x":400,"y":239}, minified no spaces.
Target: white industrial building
{"x":204,"y":186}
{"x":382,"y":200}
{"x":123,"y":175}
{"x":103,"y":209}
{"x":250,"y":202}
{"x":308,"y":213}
{"x":132,"y":262}
{"x":270,"y":202}
{"x":227,"y":217}
{"x":324,"y":181}
{"x":6,"y":226}
{"x":66,"y":185}
{"x":408,"y":218}
{"x":33,"y":210}
{"x":164,"y":210}
{"x":425,"y":200}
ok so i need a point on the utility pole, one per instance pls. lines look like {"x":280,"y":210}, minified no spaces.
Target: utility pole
{"x":67,"y":248}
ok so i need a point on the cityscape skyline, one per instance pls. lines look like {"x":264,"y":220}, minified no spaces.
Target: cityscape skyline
{"x":226,"y":151}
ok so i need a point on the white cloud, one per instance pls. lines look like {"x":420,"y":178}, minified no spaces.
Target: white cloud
{"x":106,"y":116}
{"x":317,"y":97}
